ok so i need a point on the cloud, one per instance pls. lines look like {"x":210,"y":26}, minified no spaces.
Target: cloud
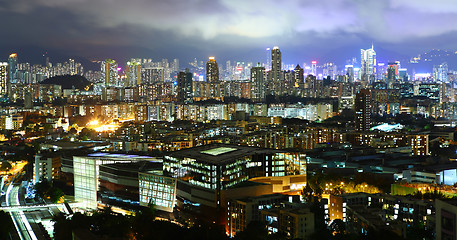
{"x":208,"y":25}
{"x":262,"y":18}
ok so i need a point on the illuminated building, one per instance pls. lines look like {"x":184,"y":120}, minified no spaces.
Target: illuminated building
{"x":245,"y":210}
{"x":446,"y":219}
{"x":277,"y":77}
{"x":212,"y":71}
{"x":362,"y":107}
{"x":185,"y":87}
{"x":440,"y":72}
{"x":157,"y":189}
{"x":205,"y":172}
{"x":299,"y":78}
{"x":133,"y":72}
{"x":392,"y":74}
{"x":46,"y":167}
{"x":130,"y":94}
{"x":151,"y":75}
{"x":109,"y":71}
{"x":258,"y":83}
{"x":48,"y":92}
{"x":86,"y":171}
{"x":12,"y":73}
{"x":419,"y":177}
{"x":429,"y":90}
{"x":381,"y":71}
{"x":213,"y":88}
{"x":329,"y":70}
{"x":12,"y":122}
{"x":119,"y":183}
{"x":368,"y":64}
{"x":296,"y":221}
{"x":3,"y":78}
{"x":314,"y":68}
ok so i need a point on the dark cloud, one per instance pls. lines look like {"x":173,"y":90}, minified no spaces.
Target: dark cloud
{"x":238,"y":28}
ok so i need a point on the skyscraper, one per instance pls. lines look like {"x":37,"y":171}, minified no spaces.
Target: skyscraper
{"x":314,"y":67}
{"x":185,"y":88}
{"x":329,"y":70}
{"x":363,"y":110}
{"x":109,"y":70}
{"x":212,"y":71}
{"x":392,"y":74}
{"x":133,"y":72}
{"x":12,"y":73}
{"x":12,"y":68}
{"x":3,"y":78}
{"x":350,"y":73}
{"x":277,"y":77}
{"x":440,"y":72}
{"x":258,"y":83}
{"x":212,"y":79}
{"x":299,"y":78}
{"x":368,"y":64}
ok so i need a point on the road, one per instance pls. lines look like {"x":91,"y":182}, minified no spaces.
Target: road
{"x":26,"y":219}
{"x":20,"y":221}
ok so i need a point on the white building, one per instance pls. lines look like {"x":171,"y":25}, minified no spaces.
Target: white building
{"x":86,"y":174}
{"x":157,"y":189}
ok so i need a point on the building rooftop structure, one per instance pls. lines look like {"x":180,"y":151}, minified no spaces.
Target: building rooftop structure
{"x":220,"y":154}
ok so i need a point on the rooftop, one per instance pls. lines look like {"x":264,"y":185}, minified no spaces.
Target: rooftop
{"x":221,"y":153}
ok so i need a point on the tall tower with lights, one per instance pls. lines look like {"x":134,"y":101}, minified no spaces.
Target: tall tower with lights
{"x":363,"y":110}
{"x":12,"y":73}
{"x":109,"y":70}
{"x":3,"y":78}
{"x":277,"y":77}
{"x":212,"y":79}
{"x":258,"y":83}
{"x":368,"y":64}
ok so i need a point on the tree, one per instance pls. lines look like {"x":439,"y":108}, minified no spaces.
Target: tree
{"x":254,"y":231}
{"x":6,"y":225}
{"x":45,"y":190}
{"x":5,"y":166}
{"x":73,"y":131}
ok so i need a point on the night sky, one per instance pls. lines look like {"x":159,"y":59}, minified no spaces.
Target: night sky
{"x":327,"y":30}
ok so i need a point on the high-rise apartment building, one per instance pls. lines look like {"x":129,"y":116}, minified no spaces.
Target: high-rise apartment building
{"x":258,"y":83}
{"x":213,"y":88}
{"x":3,"y":78}
{"x":185,"y":88}
{"x":440,"y":72}
{"x":12,"y":73}
{"x":299,"y":77}
{"x":212,"y":71}
{"x":109,"y":70}
{"x":277,"y":76}
{"x":363,"y":110}
{"x":133,"y":72}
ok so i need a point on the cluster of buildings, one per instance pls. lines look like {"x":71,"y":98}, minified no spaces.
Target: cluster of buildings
{"x":238,"y":144}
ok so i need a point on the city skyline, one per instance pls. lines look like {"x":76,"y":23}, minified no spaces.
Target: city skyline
{"x":232,"y":30}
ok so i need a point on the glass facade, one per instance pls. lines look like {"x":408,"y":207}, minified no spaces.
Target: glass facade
{"x":157,"y":189}
{"x":86,"y":174}
{"x":85,"y":180}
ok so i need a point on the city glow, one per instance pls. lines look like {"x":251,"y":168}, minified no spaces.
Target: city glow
{"x":93,"y":123}
{"x":106,"y":128}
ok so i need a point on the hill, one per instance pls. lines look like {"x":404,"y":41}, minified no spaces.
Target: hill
{"x":68,"y":81}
